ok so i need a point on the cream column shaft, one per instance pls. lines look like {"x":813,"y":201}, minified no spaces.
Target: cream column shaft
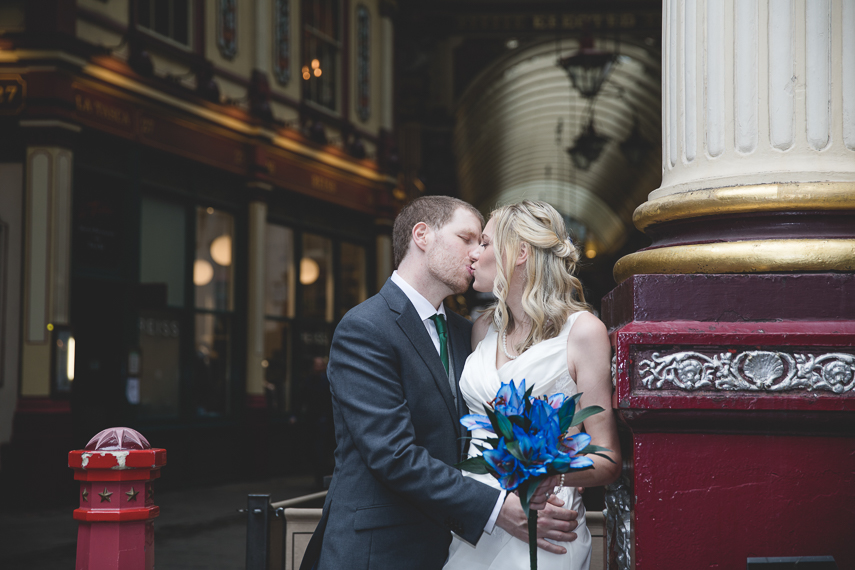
{"x":47,"y":257}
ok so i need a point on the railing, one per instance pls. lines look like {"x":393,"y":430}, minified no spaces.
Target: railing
{"x":277,"y":533}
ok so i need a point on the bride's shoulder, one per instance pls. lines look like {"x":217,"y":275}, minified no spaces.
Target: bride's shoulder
{"x":587,"y":328}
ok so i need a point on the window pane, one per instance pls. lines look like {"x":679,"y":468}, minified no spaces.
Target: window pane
{"x":161,"y":17}
{"x":211,"y":366}
{"x":279,"y":272}
{"x":353,"y":272}
{"x":212,"y":270}
{"x":162,"y":256}
{"x":316,"y":277}
{"x":144,"y":13}
{"x":277,"y":371}
{"x":160,"y":362}
{"x":181,"y":21}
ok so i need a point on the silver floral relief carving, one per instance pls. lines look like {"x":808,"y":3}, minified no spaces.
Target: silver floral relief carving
{"x":618,"y":519}
{"x":755,"y":370}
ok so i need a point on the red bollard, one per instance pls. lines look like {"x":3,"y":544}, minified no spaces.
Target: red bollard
{"x":116,"y":513}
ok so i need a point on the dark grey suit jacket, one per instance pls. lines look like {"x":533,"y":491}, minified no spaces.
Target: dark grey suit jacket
{"x":395,"y":496}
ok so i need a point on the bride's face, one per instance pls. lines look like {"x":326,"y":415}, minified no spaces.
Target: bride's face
{"x":484,"y":261}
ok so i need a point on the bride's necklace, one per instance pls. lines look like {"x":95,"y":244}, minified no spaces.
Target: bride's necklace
{"x":505,"y":346}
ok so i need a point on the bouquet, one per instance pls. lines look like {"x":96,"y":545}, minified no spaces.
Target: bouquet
{"x":531,"y":443}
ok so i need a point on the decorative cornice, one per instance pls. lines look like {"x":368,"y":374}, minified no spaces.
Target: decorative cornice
{"x":746,"y":199}
{"x":750,"y":256}
{"x":749,"y":371}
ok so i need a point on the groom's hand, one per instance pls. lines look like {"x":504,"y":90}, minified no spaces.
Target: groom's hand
{"x":553,"y":522}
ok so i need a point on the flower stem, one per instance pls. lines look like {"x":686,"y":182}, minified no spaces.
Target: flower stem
{"x":532,"y":539}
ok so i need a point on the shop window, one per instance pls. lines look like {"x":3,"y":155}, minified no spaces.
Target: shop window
{"x":279,"y":300}
{"x":321,"y":53}
{"x":161,"y":297}
{"x":353,"y":278}
{"x":213,"y":280}
{"x":316,"y":277}
{"x":280,"y":281}
{"x":167,"y":18}
{"x":213,"y":269}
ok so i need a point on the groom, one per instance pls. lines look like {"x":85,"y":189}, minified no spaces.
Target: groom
{"x":395,"y":497}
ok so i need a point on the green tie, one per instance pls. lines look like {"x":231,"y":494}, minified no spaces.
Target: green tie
{"x":442,"y":330}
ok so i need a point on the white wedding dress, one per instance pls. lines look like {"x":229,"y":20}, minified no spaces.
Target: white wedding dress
{"x":544,"y":365}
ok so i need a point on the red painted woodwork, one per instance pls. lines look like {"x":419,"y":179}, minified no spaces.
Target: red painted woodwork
{"x":719,"y":475}
{"x":116,"y":471}
{"x":712,"y":500}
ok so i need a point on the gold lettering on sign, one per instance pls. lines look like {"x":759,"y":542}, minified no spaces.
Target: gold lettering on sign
{"x":325,"y":184}
{"x":103,"y":111}
{"x":146,"y":125}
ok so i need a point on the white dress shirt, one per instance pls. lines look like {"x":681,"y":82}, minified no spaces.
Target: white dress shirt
{"x":426,"y":310}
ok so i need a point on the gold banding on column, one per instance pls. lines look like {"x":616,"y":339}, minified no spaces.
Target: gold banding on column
{"x":760,"y":256}
{"x":746,"y":199}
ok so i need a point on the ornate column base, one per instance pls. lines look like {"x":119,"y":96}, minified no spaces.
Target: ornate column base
{"x":739,"y":391}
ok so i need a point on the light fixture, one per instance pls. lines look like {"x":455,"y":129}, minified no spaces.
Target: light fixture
{"x":317,"y":72}
{"x":512,"y":43}
{"x":635,"y":147}
{"x":587,"y":147}
{"x":315,"y":64}
{"x":203,"y":272}
{"x":221,"y":250}
{"x":588,"y":68}
{"x":309,"y":271}
{"x":69,"y":364}
{"x":306,"y":73}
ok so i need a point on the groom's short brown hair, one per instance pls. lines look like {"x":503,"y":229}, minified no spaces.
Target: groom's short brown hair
{"x":435,"y":211}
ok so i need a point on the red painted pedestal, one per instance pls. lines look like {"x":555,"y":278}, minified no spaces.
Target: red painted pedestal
{"x":739,"y":395}
{"x":116,"y":513}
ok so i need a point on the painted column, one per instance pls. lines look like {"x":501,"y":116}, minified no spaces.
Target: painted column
{"x":47,"y":261}
{"x":733,"y":332}
{"x":117,"y":510}
{"x":758,"y":123}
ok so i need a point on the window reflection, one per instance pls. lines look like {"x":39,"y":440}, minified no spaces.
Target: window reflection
{"x":213,"y":269}
{"x":211,"y":365}
{"x":353,"y":288}
{"x":316,"y":277}
{"x":160,"y":356}
{"x":277,"y":372}
{"x":279,"y":272}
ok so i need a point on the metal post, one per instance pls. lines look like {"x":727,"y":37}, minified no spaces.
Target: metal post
{"x":257,"y":531}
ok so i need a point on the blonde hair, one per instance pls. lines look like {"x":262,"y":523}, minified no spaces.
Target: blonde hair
{"x":551,"y":293}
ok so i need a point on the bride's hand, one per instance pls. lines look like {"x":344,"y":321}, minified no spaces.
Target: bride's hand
{"x":553,"y":522}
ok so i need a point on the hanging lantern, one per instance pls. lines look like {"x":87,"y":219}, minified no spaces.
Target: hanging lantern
{"x":635,"y":147}
{"x":588,"y":68}
{"x":587,"y":147}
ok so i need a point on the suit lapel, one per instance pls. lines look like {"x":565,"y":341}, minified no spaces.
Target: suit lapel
{"x":460,"y":348}
{"x":414,"y":329}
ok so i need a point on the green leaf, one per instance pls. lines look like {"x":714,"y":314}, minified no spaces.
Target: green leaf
{"x":522,"y":422}
{"x":516,"y":451}
{"x":504,"y":427}
{"x":494,"y":421}
{"x":595,"y":450}
{"x":477,"y":465}
{"x":585,"y":414}
{"x":494,"y":441}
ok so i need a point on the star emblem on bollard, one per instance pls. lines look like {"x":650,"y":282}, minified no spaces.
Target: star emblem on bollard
{"x":85,"y":494}
{"x":132,"y":495}
{"x":105,"y":496}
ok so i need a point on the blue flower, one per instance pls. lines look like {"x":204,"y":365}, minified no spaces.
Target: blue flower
{"x":505,"y":466}
{"x":510,"y":400}
{"x":476,"y":421}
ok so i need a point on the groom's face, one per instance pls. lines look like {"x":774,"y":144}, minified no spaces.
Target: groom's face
{"x":448,"y":253}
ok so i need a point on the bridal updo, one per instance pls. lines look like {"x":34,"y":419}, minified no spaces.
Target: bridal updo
{"x":551,"y":291}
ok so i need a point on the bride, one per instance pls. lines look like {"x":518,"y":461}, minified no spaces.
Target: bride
{"x":540,"y":330}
